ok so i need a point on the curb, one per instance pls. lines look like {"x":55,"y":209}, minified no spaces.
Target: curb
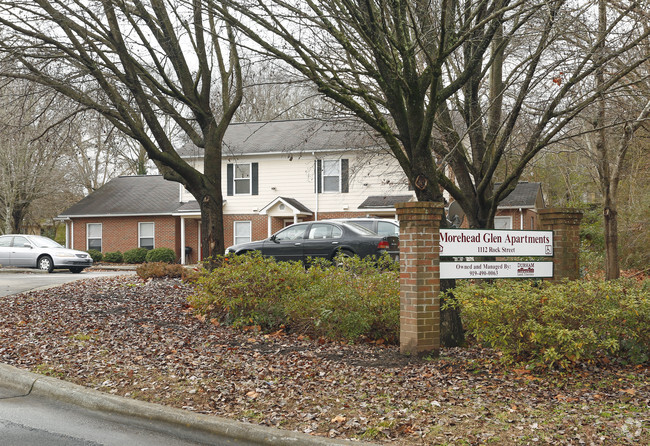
{"x":46,"y":386}
{"x":9,"y":270}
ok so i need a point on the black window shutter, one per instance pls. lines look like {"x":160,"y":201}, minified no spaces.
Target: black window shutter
{"x":229,"y":178}
{"x":254,"y":180}
{"x":345,"y":168}
{"x":318,"y":169}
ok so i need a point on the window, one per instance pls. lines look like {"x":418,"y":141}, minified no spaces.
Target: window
{"x":20,"y":242}
{"x":5,"y":242}
{"x":94,"y":236}
{"x":294,"y":232}
{"x":387,"y":229}
{"x":242,"y":232}
{"x":242,"y":179}
{"x":502,"y":222}
{"x":146,"y":235}
{"x":322,"y":230}
{"x":332,"y":175}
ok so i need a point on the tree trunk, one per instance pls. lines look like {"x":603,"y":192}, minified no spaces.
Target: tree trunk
{"x":212,"y":229}
{"x":612,"y":268}
{"x":452,"y":333}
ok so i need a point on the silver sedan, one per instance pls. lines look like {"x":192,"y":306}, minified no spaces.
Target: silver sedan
{"x":35,"y":251}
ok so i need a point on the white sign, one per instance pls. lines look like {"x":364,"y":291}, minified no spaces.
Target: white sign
{"x":495,"y":270}
{"x":498,"y":243}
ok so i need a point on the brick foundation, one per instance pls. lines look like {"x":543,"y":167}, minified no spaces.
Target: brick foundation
{"x":419,"y":277}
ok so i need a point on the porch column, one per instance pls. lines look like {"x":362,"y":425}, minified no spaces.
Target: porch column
{"x":419,"y":277}
{"x":565,"y":224}
{"x":183,"y":259}
{"x":269,"y":225}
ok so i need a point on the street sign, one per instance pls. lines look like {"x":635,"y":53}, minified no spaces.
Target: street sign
{"x":495,"y":270}
{"x":495,"y":243}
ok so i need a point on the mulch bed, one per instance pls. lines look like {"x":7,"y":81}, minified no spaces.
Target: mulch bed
{"x":141,"y":340}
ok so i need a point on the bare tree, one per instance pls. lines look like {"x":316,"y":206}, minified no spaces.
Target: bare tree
{"x":138,"y":63}
{"x":445,"y":83}
{"x":32,"y":152}
{"x":617,"y":118}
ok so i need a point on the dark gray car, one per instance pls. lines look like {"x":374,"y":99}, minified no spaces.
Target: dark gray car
{"x":35,"y":251}
{"x":319,"y":239}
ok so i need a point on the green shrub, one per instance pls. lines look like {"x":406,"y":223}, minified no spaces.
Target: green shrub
{"x":159,"y":270}
{"x":559,"y":323}
{"x":113,"y":257}
{"x":165,"y":255}
{"x":357,"y":300}
{"x":136,"y":255}
{"x":97,"y":256}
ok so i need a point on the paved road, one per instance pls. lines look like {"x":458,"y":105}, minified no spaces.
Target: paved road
{"x":35,"y":420}
{"x":12,"y":282}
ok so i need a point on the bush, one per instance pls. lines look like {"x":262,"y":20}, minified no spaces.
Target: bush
{"x":159,"y":270}
{"x":559,"y":323}
{"x":113,"y":257}
{"x":97,"y":256}
{"x":165,"y":255}
{"x":357,"y":300}
{"x":136,"y":255}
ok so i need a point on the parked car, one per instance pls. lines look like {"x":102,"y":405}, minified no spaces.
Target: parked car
{"x":381,"y":226}
{"x":319,"y":239}
{"x":35,"y":251}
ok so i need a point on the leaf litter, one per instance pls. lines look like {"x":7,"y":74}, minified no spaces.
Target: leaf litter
{"x":140,"y":339}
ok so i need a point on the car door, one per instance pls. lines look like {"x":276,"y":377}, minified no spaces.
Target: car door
{"x":23,"y":253}
{"x":5,"y":250}
{"x":323,"y":239}
{"x":286,"y":245}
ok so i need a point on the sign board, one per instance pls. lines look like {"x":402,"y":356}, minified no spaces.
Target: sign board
{"x":495,"y":270}
{"x":495,"y":242}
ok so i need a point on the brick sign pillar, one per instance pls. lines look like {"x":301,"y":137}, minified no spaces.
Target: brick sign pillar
{"x":565,"y":224}
{"x":419,"y":277}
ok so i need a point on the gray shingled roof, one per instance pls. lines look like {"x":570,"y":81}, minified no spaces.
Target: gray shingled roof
{"x":296,"y":136}
{"x":129,"y":195}
{"x":384,"y":201}
{"x":524,"y":195}
{"x":296,"y":204}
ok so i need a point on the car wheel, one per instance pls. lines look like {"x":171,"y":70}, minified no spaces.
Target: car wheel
{"x":45,"y":264}
{"x":76,"y":270}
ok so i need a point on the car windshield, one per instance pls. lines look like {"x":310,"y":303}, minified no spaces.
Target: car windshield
{"x":44,"y":242}
{"x":359,"y":229}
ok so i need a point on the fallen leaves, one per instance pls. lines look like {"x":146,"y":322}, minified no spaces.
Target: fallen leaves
{"x":139,"y":339}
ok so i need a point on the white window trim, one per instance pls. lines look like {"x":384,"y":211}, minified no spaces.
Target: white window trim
{"x":234,"y":231}
{"x":101,"y":235}
{"x":250,"y":178}
{"x":140,"y":223}
{"x":322,"y":179}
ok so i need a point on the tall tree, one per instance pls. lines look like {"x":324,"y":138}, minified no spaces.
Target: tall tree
{"x":138,"y":63}
{"x":445,"y":83}
{"x":33,"y":149}
{"x":616,"y":119}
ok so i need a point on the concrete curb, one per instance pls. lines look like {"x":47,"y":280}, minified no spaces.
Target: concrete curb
{"x":9,"y":270}
{"x":48,"y":387}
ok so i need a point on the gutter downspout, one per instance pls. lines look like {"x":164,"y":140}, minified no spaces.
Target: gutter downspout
{"x":316,"y":184}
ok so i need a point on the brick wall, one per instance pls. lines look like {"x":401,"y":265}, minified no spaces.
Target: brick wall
{"x":121,"y":233}
{"x":529,"y":219}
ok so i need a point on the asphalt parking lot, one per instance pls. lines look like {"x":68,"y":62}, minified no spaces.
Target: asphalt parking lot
{"x":14,"y":280}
